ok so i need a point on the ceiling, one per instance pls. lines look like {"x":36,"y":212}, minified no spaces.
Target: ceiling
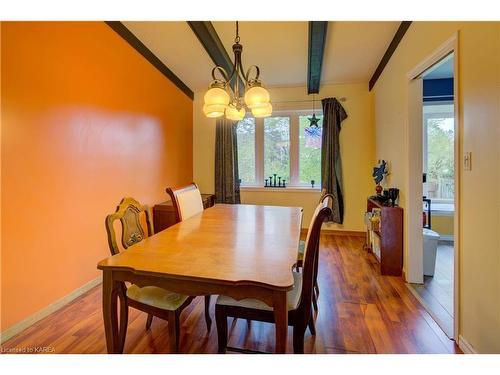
{"x":443,"y":69}
{"x":352,"y":49}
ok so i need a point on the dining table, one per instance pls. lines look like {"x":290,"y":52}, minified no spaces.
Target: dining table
{"x":238,"y":250}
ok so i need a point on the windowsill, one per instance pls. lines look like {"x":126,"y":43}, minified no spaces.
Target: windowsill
{"x":442,"y":209}
{"x":291,"y":189}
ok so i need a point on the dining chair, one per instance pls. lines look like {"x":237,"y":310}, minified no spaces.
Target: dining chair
{"x":187,"y":202}
{"x":150,"y":299}
{"x":300,"y":258}
{"x":299,"y":298}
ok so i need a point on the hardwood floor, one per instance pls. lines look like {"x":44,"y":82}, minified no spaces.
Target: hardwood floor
{"x":359,"y":312}
{"x":437,"y":291}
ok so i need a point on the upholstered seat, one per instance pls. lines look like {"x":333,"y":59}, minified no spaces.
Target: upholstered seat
{"x":156,"y":297}
{"x":293,"y":298}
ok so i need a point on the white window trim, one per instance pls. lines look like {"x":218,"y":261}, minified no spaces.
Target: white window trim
{"x":427,"y":116}
{"x":294,"y":183}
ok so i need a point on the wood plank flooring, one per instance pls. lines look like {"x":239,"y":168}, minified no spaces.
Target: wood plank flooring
{"x":359,"y":312}
{"x":437,"y":291}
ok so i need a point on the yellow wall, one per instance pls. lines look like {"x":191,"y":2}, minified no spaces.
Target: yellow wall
{"x":479,"y":99}
{"x":442,"y":224}
{"x":357,"y":147}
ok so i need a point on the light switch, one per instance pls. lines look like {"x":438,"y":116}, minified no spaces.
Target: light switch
{"x":467,"y":161}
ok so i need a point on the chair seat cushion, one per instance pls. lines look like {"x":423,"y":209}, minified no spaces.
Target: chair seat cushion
{"x":156,"y":297}
{"x":293,"y":298}
{"x":302,"y":246}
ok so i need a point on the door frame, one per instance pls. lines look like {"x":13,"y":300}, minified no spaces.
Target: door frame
{"x":413,"y":199}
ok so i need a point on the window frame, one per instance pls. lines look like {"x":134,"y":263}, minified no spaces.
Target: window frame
{"x":294,"y":150}
{"x":428,"y":116}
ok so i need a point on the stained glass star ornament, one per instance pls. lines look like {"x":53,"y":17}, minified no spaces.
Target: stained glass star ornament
{"x":313,"y":121}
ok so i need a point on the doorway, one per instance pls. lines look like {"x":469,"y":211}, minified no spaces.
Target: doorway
{"x":432,"y":206}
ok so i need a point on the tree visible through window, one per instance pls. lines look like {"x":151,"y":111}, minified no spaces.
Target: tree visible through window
{"x":284,"y":145}
{"x":439,"y":159}
{"x":277,"y":147}
{"x":309,"y":151}
{"x":245,"y":131}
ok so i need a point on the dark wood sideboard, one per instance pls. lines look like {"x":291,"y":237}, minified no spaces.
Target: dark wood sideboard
{"x":164,"y":216}
{"x":391,"y":238}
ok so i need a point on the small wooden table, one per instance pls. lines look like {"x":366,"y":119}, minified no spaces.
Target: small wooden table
{"x":242,"y":251}
{"x":391,"y":238}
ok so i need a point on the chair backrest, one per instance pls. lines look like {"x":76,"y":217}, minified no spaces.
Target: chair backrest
{"x":128,"y":212}
{"x":311,"y":250}
{"x":186,"y":200}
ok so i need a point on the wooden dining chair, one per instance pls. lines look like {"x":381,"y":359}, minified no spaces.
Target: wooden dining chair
{"x":300,"y":258}
{"x":299,"y":298}
{"x":150,"y":299}
{"x":187,"y":202}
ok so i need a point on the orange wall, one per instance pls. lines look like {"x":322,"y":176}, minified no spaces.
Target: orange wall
{"x":86,"y":120}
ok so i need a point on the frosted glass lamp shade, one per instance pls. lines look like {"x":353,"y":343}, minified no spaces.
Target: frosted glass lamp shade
{"x":262,"y":111}
{"x":214,"y":110}
{"x":233,"y":114}
{"x":216,"y":96}
{"x":256,"y":96}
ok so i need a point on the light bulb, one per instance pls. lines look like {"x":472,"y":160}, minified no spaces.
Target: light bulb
{"x":256,"y":96}
{"x":233,"y":114}
{"x":216,"y":96}
{"x":262,"y":111}
{"x":214,"y":110}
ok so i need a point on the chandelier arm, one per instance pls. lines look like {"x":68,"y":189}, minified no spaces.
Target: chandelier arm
{"x":257,"y":74}
{"x":222,"y":72}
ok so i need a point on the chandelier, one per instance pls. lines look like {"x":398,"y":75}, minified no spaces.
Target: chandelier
{"x":218,"y":101}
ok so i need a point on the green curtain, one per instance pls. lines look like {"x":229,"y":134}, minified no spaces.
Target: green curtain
{"x":331,"y":161}
{"x":227,"y":186}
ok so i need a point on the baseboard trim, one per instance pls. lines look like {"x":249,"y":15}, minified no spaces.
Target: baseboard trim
{"x":464,"y":345}
{"x":338,"y":232}
{"x":39,"y":315}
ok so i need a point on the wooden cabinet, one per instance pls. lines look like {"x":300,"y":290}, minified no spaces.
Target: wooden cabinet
{"x":164,"y":215}
{"x":390,"y":238}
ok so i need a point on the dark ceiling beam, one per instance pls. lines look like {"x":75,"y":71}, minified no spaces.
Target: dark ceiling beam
{"x":317,"y":39}
{"x":131,"y":39}
{"x":209,"y":39}
{"x":398,"y":36}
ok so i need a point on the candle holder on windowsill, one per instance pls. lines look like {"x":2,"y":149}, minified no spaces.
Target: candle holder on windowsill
{"x":275,"y":181}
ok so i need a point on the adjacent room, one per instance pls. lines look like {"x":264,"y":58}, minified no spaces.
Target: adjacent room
{"x":234,"y":187}
{"x":438,"y":108}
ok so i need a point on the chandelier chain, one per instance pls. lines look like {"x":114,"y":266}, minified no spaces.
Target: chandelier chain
{"x":237,"y":39}
{"x":231,"y":99}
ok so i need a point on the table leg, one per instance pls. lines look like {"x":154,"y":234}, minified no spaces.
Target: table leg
{"x":281,"y":320}
{"x":109,"y":310}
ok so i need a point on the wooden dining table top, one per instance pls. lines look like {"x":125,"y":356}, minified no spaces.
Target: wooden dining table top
{"x":234,"y":244}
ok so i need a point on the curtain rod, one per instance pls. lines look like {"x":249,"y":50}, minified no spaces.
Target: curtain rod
{"x":342,"y":99}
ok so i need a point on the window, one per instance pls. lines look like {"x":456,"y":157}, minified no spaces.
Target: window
{"x":245,"y":131}
{"x":309,"y":151}
{"x":439,"y":152}
{"x":277,"y":147}
{"x":283,"y":144}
